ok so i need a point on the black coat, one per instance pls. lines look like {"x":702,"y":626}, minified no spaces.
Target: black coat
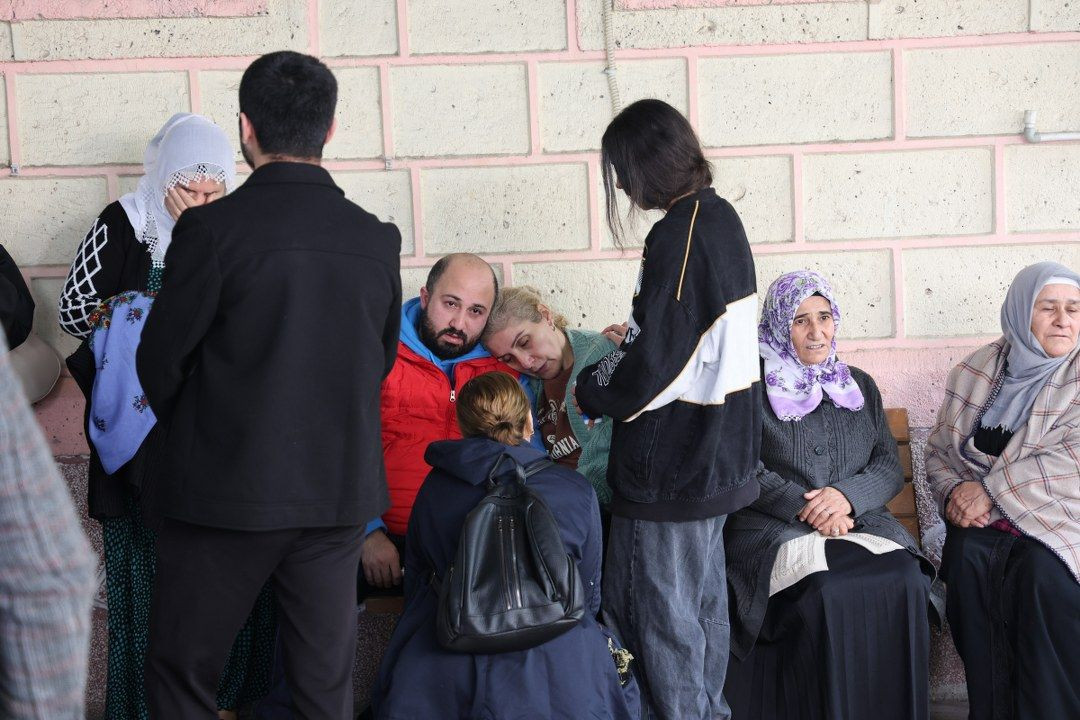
{"x":265,"y":350}
{"x":684,"y":385}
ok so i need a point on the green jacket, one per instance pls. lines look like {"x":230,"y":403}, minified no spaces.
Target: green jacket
{"x":588,"y":347}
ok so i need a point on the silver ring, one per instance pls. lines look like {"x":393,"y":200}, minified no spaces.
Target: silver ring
{"x":835,"y":532}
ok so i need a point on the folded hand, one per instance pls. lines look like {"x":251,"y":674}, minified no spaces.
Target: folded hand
{"x":969,"y":505}
{"x":824,"y":507}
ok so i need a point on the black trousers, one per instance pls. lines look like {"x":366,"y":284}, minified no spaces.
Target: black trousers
{"x":1014,"y":611}
{"x":206,"y":583}
{"x":849,"y":643}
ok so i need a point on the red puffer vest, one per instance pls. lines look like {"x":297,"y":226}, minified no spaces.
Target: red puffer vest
{"x":417,"y":409}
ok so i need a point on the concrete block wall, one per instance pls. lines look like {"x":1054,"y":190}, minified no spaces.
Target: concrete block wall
{"x":877,"y":142}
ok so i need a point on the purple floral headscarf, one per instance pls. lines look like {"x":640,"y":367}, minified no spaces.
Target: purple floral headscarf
{"x":794,"y":389}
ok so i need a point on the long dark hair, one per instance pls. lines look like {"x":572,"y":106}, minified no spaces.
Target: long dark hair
{"x":654,"y":153}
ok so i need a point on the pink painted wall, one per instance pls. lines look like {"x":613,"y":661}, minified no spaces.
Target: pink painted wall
{"x":910,"y":369}
{"x":70,"y":9}
{"x":657,"y":4}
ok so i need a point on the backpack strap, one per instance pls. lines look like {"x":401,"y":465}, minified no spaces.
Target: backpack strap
{"x":537,"y":465}
{"x":523,"y":471}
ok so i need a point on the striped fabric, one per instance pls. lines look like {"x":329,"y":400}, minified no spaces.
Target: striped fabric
{"x":46,"y":572}
{"x":1035,"y":483}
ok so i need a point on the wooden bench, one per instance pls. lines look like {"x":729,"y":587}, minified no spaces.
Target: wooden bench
{"x":903,"y":505}
{"x":384,"y":605}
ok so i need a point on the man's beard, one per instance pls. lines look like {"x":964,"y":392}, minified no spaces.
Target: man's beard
{"x":247,"y":155}
{"x":432,"y":339}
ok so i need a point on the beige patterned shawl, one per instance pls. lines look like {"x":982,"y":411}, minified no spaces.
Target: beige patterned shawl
{"x":1035,"y":483}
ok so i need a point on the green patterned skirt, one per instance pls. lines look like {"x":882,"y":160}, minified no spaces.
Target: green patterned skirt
{"x":129,"y":567}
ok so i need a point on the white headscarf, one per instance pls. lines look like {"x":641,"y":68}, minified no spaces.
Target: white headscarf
{"x":189,"y":148}
{"x":1029,"y":367}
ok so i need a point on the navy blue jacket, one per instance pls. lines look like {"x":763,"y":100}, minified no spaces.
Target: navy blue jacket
{"x":571,"y":676}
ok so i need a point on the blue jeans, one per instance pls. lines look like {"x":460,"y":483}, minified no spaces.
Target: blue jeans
{"x":665,"y":594}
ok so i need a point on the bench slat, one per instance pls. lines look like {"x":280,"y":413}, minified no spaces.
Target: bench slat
{"x":898,"y":423}
{"x":903,"y":505}
{"x":384,"y":605}
{"x":905,"y":460}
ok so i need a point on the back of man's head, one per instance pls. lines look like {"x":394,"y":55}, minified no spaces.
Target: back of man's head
{"x":289,"y":98}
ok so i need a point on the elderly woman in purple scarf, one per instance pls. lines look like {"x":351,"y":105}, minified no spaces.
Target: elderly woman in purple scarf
{"x":829,"y":593}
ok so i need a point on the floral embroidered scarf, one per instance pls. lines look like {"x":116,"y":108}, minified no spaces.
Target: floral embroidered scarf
{"x":120,"y":417}
{"x":794,"y":389}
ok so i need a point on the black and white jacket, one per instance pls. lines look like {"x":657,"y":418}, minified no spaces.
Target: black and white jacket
{"x":684,"y":387}
{"x":109,"y":261}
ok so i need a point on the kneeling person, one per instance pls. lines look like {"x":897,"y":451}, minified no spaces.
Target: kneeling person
{"x":572,"y":675}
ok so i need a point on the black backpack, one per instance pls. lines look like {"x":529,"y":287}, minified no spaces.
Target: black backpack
{"x":512,"y":585}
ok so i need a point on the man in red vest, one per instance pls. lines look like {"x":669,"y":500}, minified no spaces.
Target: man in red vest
{"x":438,"y":352}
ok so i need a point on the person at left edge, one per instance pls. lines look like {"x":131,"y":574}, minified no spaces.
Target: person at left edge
{"x":276,"y":324}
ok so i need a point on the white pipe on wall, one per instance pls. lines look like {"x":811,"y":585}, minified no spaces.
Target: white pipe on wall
{"x":609,"y":51}
{"x":1033,"y":136}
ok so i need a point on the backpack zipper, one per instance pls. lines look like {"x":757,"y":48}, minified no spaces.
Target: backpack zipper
{"x":502,"y":557}
{"x":514,"y":561}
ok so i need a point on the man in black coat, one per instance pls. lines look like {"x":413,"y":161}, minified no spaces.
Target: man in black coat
{"x":264,"y":353}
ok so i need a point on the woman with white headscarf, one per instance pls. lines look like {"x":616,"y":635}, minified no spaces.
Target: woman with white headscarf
{"x":1003,"y":463}
{"x":121,"y":262}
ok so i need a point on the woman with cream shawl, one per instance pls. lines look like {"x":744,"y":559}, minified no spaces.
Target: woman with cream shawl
{"x":1003,"y":463}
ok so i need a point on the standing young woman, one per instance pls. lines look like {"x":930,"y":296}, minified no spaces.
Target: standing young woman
{"x":189,"y":162}
{"x":684,"y":389}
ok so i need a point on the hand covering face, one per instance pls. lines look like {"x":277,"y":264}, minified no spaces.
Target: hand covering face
{"x":189,"y":148}
{"x":795,"y":389}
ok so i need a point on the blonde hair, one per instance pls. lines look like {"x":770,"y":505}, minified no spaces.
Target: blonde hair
{"x":493,"y":405}
{"x":519,"y":303}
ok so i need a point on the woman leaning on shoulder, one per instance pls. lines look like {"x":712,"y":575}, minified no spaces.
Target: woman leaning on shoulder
{"x":534,"y":339}
{"x":1003,"y":463}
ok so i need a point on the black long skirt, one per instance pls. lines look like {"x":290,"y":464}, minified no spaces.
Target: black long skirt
{"x":849,"y":643}
{"x":1014,"y":612}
